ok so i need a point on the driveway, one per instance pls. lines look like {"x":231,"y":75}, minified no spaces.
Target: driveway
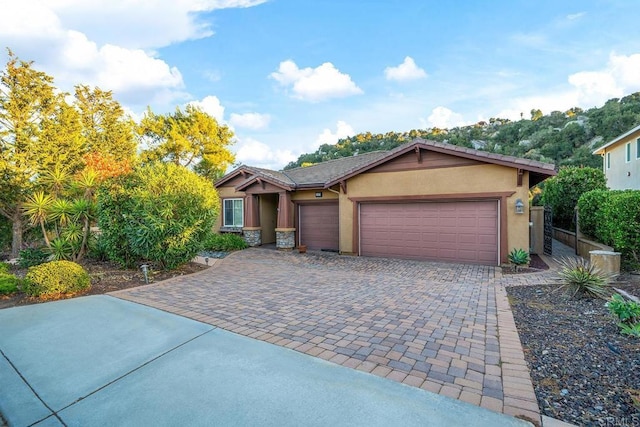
{"x":444,"y":328}
{"x":99,"y":360}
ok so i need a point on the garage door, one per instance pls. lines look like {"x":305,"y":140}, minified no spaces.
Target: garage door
{"x":464,"y":232}
{"x":318,"y":226}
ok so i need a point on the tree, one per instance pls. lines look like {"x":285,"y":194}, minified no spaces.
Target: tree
{"x":27,"y":102}
{"x":161,"y":212}
{"x":562,"y":191}
{"x":536,"y":114}
{"x":106,"y":128}
{"x":190,"y":138}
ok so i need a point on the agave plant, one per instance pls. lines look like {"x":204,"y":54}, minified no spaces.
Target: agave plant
{"x":518,"y":257}
{"x":582,"y":277}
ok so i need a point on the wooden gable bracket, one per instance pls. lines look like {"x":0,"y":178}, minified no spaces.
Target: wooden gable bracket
{"x":343,"y":187}
{"x":261,"y":182}
{"x":520,"y":175}
{"x":419,"y":154}
{"x":243,"y":173}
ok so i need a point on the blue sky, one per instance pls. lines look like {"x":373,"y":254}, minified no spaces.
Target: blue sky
{"x":290,"y":75}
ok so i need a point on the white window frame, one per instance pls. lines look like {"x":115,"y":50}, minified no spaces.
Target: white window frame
{"x":224,"y":212}
{"x":608,"y":161}
{"x":627,"y":152}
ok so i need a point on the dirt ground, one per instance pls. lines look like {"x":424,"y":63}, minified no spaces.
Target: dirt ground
{"x":105,"y":277}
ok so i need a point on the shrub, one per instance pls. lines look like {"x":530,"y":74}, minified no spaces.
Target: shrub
{"x":625,"y":310}
{"x":161,"y":213}
{"x":8,"y":283}
{"x":622,"y":226}
{"x":562,"y":191}
{"x":591,"y":213}
{"x":225,"y":242}
{"x":4,"y":268}
{"x":582,"y":277}
{"x":518,"y":257}
{"x":56,"y":277}
{"x":31,"y":257}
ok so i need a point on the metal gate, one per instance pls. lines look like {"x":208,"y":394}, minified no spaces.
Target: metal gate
{"x":548,"y":231}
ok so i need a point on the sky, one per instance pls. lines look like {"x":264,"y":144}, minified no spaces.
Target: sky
{"x":289,"y":75}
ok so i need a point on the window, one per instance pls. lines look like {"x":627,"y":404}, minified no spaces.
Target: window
{"x":627,"y":152}
{"x":233,"y":212}
{"x":608,"y":160}
{"x":638,"y":148}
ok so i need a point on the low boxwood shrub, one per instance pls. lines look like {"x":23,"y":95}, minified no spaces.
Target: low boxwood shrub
{"x":8,"y":283}
{"x":32,"y":256}
{"x":225,"y":242}
{"x":54,"y":278}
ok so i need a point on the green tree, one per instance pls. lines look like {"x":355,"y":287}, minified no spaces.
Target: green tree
{"x":563,"y":191}
{"x":27,"y":102}
{"x":536,"y":114}
{"x":161,"y":212}
{"x":190,"y":138}
{"x":106,"y":128}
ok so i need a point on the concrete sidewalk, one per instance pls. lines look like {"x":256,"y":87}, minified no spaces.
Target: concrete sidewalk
{"x":103,"y":361}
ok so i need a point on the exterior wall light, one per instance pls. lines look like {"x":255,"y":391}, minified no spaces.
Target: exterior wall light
{"x":519,"y":206}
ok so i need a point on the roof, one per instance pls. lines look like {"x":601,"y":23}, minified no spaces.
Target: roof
{"x":329,"y":173}
{"x":602,"y":149}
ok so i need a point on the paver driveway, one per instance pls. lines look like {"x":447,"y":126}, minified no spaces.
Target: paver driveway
{"x":446,"y":328}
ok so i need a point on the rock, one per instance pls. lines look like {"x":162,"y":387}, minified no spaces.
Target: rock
{"x":545,"y":352}
{"x":564,"y":392}
{"x":598,"y":408}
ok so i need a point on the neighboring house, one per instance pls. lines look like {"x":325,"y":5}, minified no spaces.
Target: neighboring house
{"x":421,"y":200}
{"x":621,"y":161}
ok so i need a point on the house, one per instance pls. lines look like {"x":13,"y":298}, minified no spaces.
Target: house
{"x":422,"y":200}
{"x":621,"y":160}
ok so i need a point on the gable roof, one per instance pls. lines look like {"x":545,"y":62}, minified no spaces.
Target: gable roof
{"x":329,"y":173}
{"x":601,"y":150}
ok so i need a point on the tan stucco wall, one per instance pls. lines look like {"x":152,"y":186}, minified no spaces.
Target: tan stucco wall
{"x":311,"y":195}
{"x":226,"y":193}
{"x":623,"y":175}
{"x":459,"y":180}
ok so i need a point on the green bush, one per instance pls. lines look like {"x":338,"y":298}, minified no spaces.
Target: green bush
{"x":225,"y":242}
{"x":591,"y":212}
{"x":54,"y":278}
{"x":579,"y":276}
{"x":32,"y":256}
{"x":562,"y":191}
{"x":626,"y":311}
{"x":8,"y":283}
{"x":622,"y":226}
{"x":5,"y":268}
{"x":161,"y":212}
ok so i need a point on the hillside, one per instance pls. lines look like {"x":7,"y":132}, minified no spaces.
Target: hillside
{"x":563,"y":138}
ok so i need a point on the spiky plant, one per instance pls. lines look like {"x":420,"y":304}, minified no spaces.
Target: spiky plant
{"x":518,"y":257}
{"x":579,"y":276}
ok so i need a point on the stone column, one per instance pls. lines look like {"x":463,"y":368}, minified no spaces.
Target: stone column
{"x":252,"y":231}
{"x":285,"y":231}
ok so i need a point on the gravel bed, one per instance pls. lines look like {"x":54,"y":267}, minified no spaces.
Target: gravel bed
{"x":583,"y":370}
{"x":213,"y":254}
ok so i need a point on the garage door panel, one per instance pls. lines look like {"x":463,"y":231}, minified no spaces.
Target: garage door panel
{"x":448,"y":231}
{"x":319,"y":226}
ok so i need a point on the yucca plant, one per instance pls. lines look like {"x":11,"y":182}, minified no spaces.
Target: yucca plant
{"x":518,"y":257}
{"x":582,"y":277}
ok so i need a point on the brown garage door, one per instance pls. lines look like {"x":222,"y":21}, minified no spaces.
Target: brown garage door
{"x":464,"y":232}
{"x":318,"y":224}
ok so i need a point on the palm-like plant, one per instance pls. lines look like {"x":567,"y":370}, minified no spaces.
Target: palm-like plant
{"x":582,"y":277}
{"x":38,"y":208}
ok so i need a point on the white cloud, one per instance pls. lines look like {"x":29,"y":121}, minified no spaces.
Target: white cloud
{"x":210,"y":105}
{"x":408,"y":70}
{"x":315,"y":84}
{"x":621,"y":76}
{"x":442,"y":117}
{"x":343,"y":130}
{"x":575,"y":16}
{"x":255,"y":153}
{"x":255,"y":121}
{"x":108,"y":43}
